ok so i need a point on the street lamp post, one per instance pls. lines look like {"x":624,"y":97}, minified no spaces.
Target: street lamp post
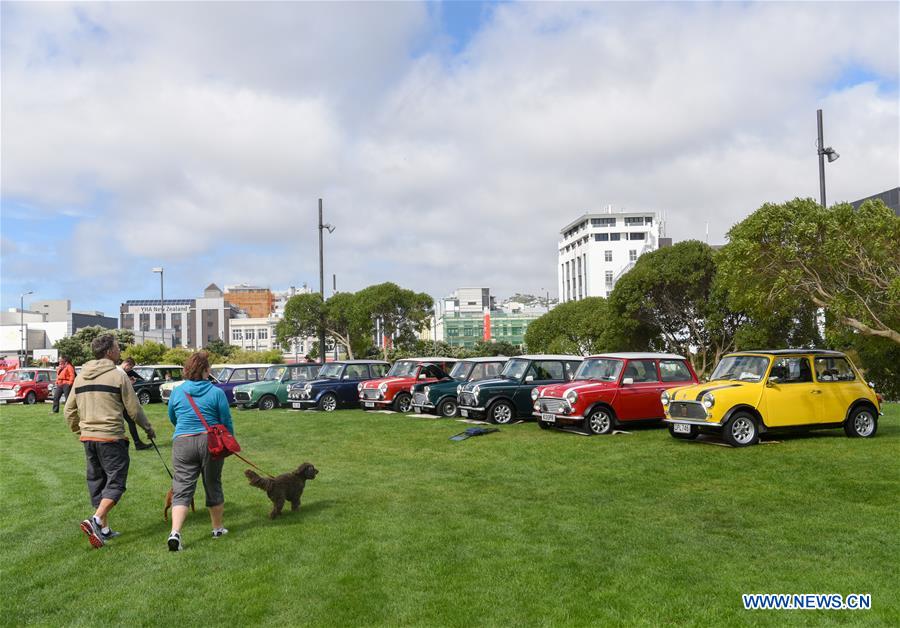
{"x":823,"y":152}
{"x":162,"y":304}
{"x":22,"y":326}
{"x":330,"y":228}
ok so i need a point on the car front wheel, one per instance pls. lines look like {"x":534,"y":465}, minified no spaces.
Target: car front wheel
{"x":741,"y":430}
{"x":448,"y":408}
{"x":30,"y":398}
{"x":501,"y":413}
{"x":402,"y":402}
{"x":862,"y":423}
{"x":598,"y":422}
{"x":328,"y":403}
{"x":268,"y":403}
{"x":143,"y":397}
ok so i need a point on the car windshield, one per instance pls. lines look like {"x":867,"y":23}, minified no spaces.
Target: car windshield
{"x":745,"y":368}
{"x":144,"y":373}
{"x":331,"y":371}
{"x":461,"y":370}
{"x":403,"y":368}
{"x":275,"y":373}
{"x":19,"y":376}
{"x":603,"y":369}
{"x":515,"y":369}
{"x":224,"y":374}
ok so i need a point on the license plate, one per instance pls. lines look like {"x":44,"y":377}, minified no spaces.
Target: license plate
{"x":369,"y":404}
{"x":463,"y":413}
{"x":681,"y":428}
{"x":549,"y":418}
{"x":297,"y":405}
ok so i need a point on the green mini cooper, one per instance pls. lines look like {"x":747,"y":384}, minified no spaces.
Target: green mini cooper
{"x":440,"y":397}
{"x":272,"y":390}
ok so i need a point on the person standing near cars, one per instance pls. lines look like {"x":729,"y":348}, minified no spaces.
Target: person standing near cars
{"x":127,"y":367}
{"x":65,"y":377}
{"x":99,"y":397}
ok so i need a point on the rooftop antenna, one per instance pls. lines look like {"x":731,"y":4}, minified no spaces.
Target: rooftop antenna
{"x":609,"y":208}
{"x":707,"y":232}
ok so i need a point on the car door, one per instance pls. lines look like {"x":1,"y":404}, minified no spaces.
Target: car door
{"x":42,"y":385}
{"x":238,"y":376}
{"x":839,"y":385}
{"x":791,"y":397}
{"x":542,"y":373}
{"x":639,"y":390}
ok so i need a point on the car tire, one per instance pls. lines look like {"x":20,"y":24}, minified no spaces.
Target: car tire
{"x":448,"y":408}
{"x":741,"y":430}
{"x":402,"y":402}
{"x":501,"y":413}
{"x":328,"y":402}
{"x":544,"y":425}
{"x":862,"y":423}
{"x":692,"y":435}
{"x":143,"y":397}
{"x":268,"y":402}
{"x":600,"y":421}
{"x":30,"y":398}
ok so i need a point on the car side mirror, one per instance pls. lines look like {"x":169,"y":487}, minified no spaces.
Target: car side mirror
{"x":529,"y":378}
{"x":628,"y":380}
{"x":346,"y":377}
{"x":423,"y":376}
{"x":774,"y":379}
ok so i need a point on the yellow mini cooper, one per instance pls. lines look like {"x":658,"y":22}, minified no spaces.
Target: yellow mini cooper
{"x":762,"y":391}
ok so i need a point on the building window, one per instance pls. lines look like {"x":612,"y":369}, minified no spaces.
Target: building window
{"x":128,"y":321}
{"x":609,"y":279}
{"x":607,"y":256}
{"x":145,"y":322}
{"x":250,"y":335}
{"x":632,"y":255}
{"x":648,"y":221}
{"x":236,"y":334}
{"x":637,"y":236}
{"x":615,"y":236}
{"x":634,"y":222}
{"x":601,"y":237}
{"x":263,"y":334}
{"x":603,"y":222}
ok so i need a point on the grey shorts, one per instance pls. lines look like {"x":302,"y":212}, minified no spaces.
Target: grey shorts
{"x":107,"y":469}
{"x":190,"y":459}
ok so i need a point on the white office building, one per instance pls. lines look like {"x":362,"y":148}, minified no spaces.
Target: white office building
{"x":595,"y":250}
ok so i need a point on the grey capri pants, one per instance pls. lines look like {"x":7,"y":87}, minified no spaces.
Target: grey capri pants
{"x":190,"y":458}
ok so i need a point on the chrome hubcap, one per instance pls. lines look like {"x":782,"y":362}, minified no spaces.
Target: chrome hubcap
{"x":144,"y":399}
{"x":329,"y":403}
{"x":599,"y":422}
{"x":449,"y":408}
{"x":404,"y":404}
{"x":743,"y":430}
{"x":864,"y":424}
{"x":502,"y":413}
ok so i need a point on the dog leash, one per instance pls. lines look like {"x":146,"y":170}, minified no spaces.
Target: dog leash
{"x":253,"y":465}
{"x":153,"y":442}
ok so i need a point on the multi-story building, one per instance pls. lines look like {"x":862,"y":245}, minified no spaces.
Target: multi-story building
{"x":43,"y":324}
{"x":254,"y":334}
{"x":466,"y":329}
{"x":595,"y":250}
{"x":891,"y":198}
{"x":256,"y":302}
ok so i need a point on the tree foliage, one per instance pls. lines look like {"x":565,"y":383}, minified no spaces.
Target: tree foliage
{"x":146,"y":353}
{"x":401,"y":313}
{"x":176,"y":355}
{"x":576,"y":327}
{"x":798,"y":253}
{"x":77,"y":347}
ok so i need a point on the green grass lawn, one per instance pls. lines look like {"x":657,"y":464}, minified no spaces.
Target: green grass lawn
{"x":404,"y":527}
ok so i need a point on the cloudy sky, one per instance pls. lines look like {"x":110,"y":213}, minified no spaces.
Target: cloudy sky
{"x":450,"y":141}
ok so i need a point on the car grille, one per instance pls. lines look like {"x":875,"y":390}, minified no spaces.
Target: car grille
{"x":554,"y":406}
{"x":467,"y":399}
{"x":687,"y":410}
{"x":370,"y":393}
{"x":241,"y":396}
{"x":420,"y":399}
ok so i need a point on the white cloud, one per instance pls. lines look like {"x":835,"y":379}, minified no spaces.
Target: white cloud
{"x":211,"y":129}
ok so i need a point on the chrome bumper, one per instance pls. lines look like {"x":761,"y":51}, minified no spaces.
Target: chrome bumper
{"x":696,"y":422}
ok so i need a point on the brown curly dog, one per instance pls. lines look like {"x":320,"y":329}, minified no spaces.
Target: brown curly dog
{"x":285,"y":487}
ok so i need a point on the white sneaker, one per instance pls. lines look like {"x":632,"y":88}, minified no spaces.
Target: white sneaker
{"x":174,"y":542}
{"x":219,"y":532}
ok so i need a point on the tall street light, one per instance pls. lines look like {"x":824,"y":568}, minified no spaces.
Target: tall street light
{"x":829,"y":152}
{"x":322,"y":226}
{"x":22,"y":325}
{"x":162,"y":304}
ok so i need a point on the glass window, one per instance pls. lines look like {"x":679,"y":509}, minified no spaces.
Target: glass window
{"x":609,"y":279}
{"x":300,"y":373}
{"x":432,"y":370}
{"x":42,"y":377}
{"x":634,"y":221}
{"x":484,"y":370}
{"x":607,"y":256}
{"x":632,"y":255}
{"x":602,"y":369}
{"x":331,"y":371}
{"x":637,"y":236}
{"x":378,"y":370}
{"x":674,"y":371}
{"x":834,"y":370}
{"x":250,"y":334}
{"x":615,"y":236}
{"x":791,"y":370}
{"x":356,"y":371}
{"x":236,"y":334}
{"x":404,"y":368}
{"x":275,"y":373}
{"x":603,"y":222}
{"x":547,"y":370}
{"x":263,"y":334}
{"x":601,"y":237}
{"x":240,"y":375}
{"x":642,"y":371}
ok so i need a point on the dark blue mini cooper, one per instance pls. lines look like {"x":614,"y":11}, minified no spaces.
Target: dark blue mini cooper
{"x":336,"y":386}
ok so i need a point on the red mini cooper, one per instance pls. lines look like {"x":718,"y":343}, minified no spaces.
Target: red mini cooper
{"x":393,"y":390}
{"x":611,"y":389}
{"x":27,"y":385}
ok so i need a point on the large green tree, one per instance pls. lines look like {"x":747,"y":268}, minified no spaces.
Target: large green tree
{"x":77,"y":347}
{"x":400,"y":313}
{"x":342,"y":317}
{"x":579,"y":327}
{"x":843,"y":260}
{"x":146,"y":353}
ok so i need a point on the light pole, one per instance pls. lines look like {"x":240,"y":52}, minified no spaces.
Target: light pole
{"x":22,"y":326}
{"x":162,"y":304}
{"x":330,"y":228}
{"x":823,"y":152}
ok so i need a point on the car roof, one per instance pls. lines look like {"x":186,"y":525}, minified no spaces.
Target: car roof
{"x":293,"y":364}
{"x":637,"y":355}
{"x":492,"y":358}
{"x":359,"y":362}
{"x":246,"y":366}
{"x":790,"y":352}
{"x":157,"y":366}
{"x":32,"y":368}
{"x":539,"y":356}
{"x":429,"y":359}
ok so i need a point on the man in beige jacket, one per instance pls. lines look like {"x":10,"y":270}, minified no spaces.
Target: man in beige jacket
{"x":94,"y":411}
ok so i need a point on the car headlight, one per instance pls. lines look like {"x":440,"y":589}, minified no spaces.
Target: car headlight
{"x":534,"y":394}
{"x":426,"y":390}
{"x":382,"y":387}
{"x":708,"y":400}
{"x":572,"y":397}
{"x":359,"y":387}
{"x":476,"y":390}
{"x":458,"y":389}
{"x":664,"y":399}
{"x":17,"y":388}
{"x":308,"y":387}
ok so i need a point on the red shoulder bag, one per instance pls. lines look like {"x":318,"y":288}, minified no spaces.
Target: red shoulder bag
{"x":219,"y":440}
